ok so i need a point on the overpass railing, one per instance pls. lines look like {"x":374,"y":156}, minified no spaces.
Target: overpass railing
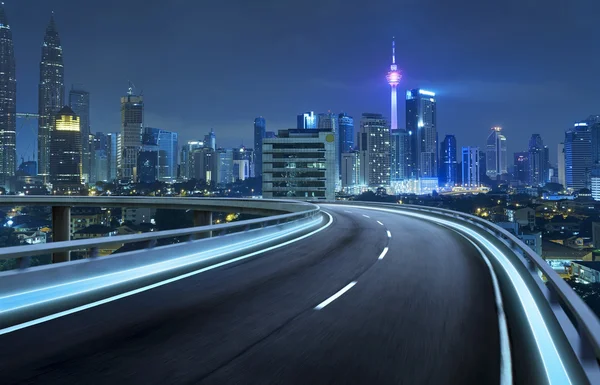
{"x":580,"y":325}
{"x":32,"y":295}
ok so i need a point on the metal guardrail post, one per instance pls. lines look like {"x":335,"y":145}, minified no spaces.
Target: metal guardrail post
{"x":151,"y":243}
{"x":203,"y":218}
{"x":61,"y":231}
{"x":24,"y":262}
{"x":94,"y":252}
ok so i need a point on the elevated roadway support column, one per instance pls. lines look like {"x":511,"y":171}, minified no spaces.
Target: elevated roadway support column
{"x":202,"y":218}
{"x":61,"y":231}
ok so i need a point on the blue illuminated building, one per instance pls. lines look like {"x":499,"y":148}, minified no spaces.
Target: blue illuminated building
{"x":448,"y":162}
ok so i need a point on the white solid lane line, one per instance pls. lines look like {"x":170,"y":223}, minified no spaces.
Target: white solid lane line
{"x":389,"y":234}
{"x":349,"y":212}
{"x":383,"y":253}
{"x":366,"y":216}
{"x":335,"y":296}
{"x":380,"y":223}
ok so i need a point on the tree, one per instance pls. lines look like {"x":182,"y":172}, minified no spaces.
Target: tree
{"x":553,"y":187}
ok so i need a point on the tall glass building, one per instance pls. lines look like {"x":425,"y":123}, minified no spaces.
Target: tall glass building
{"x":51,"y":93}
{"x":470,"y":166}
{"x":65,"y":152}
{"x":225,"y":166}
{"x":374,"y":139}
{"x":495,"y":154}
{"x":448,"y":162}
{"x":260,"y":129}
{"x":307,"y":120}
{"x":521,"y":166}
{"x":578,"y":156}
{"x":421,"y":125}
{"x":8,"y":102}
{"x":538,"y":161}
{"x":79,"y":100}
{"x":398,"y":159}
{"x":345,"y":135}
{"x":132,"y":120}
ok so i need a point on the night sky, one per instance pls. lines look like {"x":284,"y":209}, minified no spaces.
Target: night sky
{"x":530,"y":66}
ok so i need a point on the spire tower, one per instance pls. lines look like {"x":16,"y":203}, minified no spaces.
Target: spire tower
{"x":393,"y":79}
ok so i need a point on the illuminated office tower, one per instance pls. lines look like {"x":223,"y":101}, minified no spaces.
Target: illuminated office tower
{"x":66,"y":152}
{"x":495,"y":154}
{"x":51,"y":93}
{"x":578,"y":156}
{"x":422,"y":133}
{"x":307,"y":120}
{"x":79,"y":101}
{"x":448,"y":162}
{"x":210,"y":140}
{"x":521,"y":166}
{"x":8,"y":102}
{"x":470,"y":166}
{"x":538,"y":161}
{"x":374,"y":139}
{"x":132,"y":120}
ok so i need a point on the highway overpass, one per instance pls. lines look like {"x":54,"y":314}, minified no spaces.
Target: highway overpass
{"x":343,"y":293}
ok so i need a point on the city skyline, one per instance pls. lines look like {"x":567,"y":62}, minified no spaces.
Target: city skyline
{"x":338,"y":91}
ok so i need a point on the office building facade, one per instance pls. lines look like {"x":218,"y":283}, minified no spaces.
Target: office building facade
{"x":345,"y":134}
{"x":300,"y":164}
{"x":225,"y":166}
{"x":448,"y":162}
{"x":8,"y":102}
{"x":421,"y":125}
{"x":578,"y":156}
{"x":374,"y":140}
{"x":260,"y":129}
{"x":51,"y":92}
{"x":495,"y":154}
{"x":132,"y":120}
{"x":307,"y":120}
{"x":350,"y":171}
{"x":66,"y":152}
{"x":470,"y":167}
{"x":79,"y":101}
{"x":539,"y":164}
{"x":521,"y":166}
{"x":398,"y":155}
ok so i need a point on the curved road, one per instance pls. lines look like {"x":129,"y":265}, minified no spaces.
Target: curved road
{"x":423,"y":314}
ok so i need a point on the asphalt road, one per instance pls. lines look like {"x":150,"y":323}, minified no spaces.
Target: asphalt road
{"x":424,"y":314}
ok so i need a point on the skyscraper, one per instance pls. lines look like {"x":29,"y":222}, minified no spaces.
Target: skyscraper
{"x":345,"y":136}
{"x":470,"y":166}
{"x":307,"y":120}
{"x":51,"y":93}
{"x":186,"y":162}
{"x":132,"y":120}
{"x":260,"y":128}
{"x":327,"y":121}
{"x":562,"y":177}
{"x":225,"y":165}
{"x":113,"y":155}
{"x":538,"y":161}
{"x":393,"y":78}
{"x":65,"y":152}
{"x":374,"y":138}
{"x":8,"y":102}
{"x":210,"y":140}
{"x":99,"y":167}
{"x":521,"y":166}
{"x":79,"y":100}
{"x":448,"y":162}
{"x":496,"y":162}
{"x":422,"y":132}
{"x":399,"y":151}
{"x":578,"y":156}
{"x":167,"y":155}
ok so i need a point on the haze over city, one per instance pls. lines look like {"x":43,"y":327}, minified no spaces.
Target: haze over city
{"x":200,"y":65}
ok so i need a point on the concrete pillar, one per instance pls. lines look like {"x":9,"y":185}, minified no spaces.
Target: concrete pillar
{"x":61,"y":231}
{"x":203,"y":218}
